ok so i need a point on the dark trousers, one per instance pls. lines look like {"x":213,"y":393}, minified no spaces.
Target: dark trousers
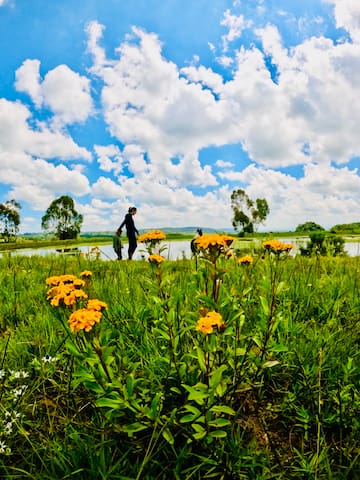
{"x":132,"y":245}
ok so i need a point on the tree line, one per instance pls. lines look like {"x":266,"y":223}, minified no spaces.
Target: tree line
{"x":63,"y":221}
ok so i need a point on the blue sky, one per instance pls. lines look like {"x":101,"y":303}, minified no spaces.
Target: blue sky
{"x":170,"y":106}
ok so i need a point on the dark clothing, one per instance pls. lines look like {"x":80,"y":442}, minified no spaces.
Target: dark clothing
{"x":117,"y":245}
{"x":131,"y":232}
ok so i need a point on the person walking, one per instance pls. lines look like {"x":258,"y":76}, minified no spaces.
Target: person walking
{"x":131,"y":231}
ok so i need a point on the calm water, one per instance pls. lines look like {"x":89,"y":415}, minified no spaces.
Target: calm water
{"x":175,"y":250}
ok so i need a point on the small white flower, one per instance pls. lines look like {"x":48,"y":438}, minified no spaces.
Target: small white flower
{"x":18,"y":392}
{"x":3,"y":447}
{"x":20,"y":374}
{"x":2,"y":374}
{"x":8,"y":428}
{"x":48,"y":358}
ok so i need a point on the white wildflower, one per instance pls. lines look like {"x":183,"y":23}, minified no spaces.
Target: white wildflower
{"x":48,"y":358}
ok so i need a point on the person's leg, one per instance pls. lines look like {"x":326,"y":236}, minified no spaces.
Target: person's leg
{"x":132,"y":246}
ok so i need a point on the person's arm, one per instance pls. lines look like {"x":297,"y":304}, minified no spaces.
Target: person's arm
{"x":121,"y":226}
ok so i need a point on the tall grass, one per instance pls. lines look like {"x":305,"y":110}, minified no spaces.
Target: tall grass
{"x":271,"y":393}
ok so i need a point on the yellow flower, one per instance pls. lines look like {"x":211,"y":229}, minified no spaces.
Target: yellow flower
{"x":96,"y":305}
{"x":86,"y":274}
{"x":153,"y":236}
{"x":84,"y":319}
{"x":206,"y":324}
{"x":209,"y":243}
{"x":66,"y":293}
{"x":277,"y":246}
{"x":246,"y":260}
{"x":156,"y":259}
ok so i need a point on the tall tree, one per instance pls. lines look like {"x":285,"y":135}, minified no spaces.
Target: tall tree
{"x":9,"y":219}
{"x":62,"y":219}
{"x":248,"y":214}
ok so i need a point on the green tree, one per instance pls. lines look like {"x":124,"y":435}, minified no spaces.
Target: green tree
{"x":309,"y":227}
{"x":248,"y":214}
{"x":9,"y":219}
{"x":62,"y":219}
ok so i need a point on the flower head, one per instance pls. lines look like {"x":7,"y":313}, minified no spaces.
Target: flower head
{"x":206,"y":324}
{"x":213,"y":244}
{"x":86,"y":274}
{"x":97,"y":305}
{"x":156,"y":259}
{"x":246,"y":260}
{"x":277,"y":246}
{"x":84,"y":319}
{"x":153,"y":236}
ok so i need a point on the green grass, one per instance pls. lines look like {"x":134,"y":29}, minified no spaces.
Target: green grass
{"x":274,"y":394}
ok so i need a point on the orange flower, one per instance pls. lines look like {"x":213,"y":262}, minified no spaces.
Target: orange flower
{"x":153,"y":236}
{"x":206,"y":324}
{"x":97,"y":305}
{"x":86,"y":274}
{"x":246,"y":260}
{"x":156,"y":259}
{"x":277,"y":246}
{"x":84,"y":319}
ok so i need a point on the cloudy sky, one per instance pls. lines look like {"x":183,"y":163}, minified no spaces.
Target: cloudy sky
{"x":171,"y":105}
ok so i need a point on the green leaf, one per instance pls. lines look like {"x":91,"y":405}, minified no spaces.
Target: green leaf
{"x":198,"y":428}
{"x":222,"y":409}
{"x":240,"y":351}
{"x":192,"y":409}
{"x":265,"y":306}
{"x":109,"y":403}
{"x":130,"y":385}
{"x":218,"y":434}
{"x":197,"y":395}
{"x":219,"y":423}
{"x":133,"y":428}
{"x":216,"y":375}
{"x":270,"y":363}
{"x":201,"y":359}
{"x":168,"y":436}
{"x":187,"y":418}
{"x":199,"y":435}
{"x":279,"y":348}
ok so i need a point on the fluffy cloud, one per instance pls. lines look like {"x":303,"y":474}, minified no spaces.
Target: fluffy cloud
{"x":40,"y":141}
{"x":300,"y":113}
{"x":347,"y":16}
{"x":283,"y":106}
{"x":64,"y":91}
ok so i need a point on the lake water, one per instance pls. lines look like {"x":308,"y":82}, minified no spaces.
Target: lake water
{"x":174,"y":250}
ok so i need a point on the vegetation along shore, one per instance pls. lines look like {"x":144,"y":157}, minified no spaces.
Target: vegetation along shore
{"x":230,"y":365}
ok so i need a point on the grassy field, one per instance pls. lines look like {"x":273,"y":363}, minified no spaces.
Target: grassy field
{"x":218,"y":367}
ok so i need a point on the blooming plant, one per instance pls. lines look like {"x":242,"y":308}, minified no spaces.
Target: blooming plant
{"x":66,"y":291}
{"x":211,"y":321}
{"x":152,"y":241}
{"x":276,"y":246}
{"x":246,"y":260}
{"x":212,"y":247}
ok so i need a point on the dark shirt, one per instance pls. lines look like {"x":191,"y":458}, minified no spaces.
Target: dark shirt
{"x":129,"y":224}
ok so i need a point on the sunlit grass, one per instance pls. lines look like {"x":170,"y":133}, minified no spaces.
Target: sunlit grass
{"x":214,"y":368}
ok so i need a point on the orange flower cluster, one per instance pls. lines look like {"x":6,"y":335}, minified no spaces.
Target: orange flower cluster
{"x":206,"y":324}
{"x":246,"y":260}
{"x":277,"y":246}
{"x":85,"y":318}
{"x":213,"y":244}
{"x":153,"y":236}
{"x":156,"y":259}
{"x":66,"y":289}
